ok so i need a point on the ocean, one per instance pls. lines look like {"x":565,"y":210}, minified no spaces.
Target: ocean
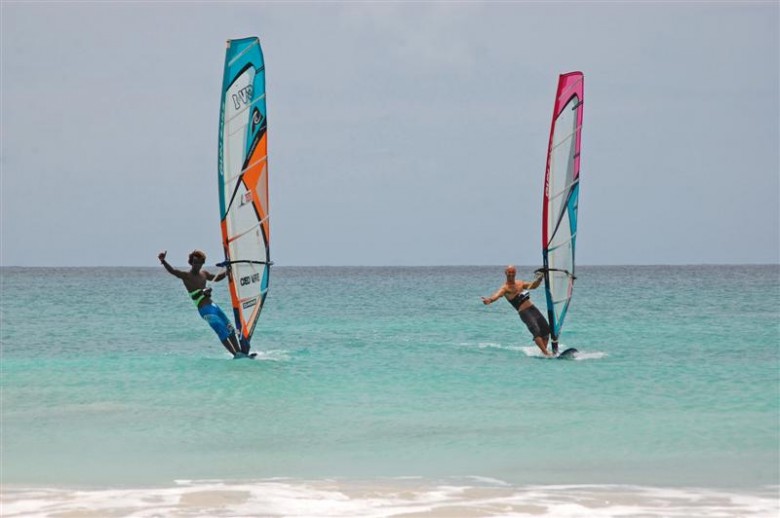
{"x":392,"y":392}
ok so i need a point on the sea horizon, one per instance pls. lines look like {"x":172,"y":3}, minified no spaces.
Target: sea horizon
{"x":277,"y":265}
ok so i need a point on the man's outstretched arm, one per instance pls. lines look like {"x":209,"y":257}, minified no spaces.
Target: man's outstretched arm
{"x":494,"y":297}
{"x":173,"y":271}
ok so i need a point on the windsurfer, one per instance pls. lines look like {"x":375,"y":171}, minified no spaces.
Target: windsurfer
{"x":195,"y":282}
{"x":515,"y":291}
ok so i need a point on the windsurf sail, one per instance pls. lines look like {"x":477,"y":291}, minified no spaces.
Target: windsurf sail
{"x":243,"y":183}
{"x":561,"y":196}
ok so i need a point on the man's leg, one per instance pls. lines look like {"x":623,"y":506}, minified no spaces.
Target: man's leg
{"x":244,"y":346}
{"x":237,"y":345}
{"x":541,"y":343}
{"x":226,"y":333}
{"x":232,"y":349}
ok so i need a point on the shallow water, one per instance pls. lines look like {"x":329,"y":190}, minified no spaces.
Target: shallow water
{"x":110,"y":379}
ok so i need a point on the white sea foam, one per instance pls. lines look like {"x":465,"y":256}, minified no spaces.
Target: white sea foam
{"x":494,"y":345}
{"x":389,"y":498}
{"x":273,"y":355}
{"x":581,"y":355}
{"x":589,"y":355}
{"x":532,"y":350}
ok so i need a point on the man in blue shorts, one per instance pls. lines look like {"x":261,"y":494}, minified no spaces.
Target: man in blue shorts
{"x":515,"y":292}
{"x":195,"y":282}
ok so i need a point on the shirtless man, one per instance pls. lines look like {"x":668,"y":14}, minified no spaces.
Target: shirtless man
{"x":195,"y":282}
{"x":515,"y":292}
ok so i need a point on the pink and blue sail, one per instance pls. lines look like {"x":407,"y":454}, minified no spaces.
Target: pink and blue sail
{"x":561,"y":199}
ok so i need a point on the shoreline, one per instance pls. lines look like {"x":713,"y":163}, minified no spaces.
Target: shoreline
{"x":406,"y":497}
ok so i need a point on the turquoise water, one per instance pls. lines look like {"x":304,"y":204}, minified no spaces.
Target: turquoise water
{"x":110,"y":378}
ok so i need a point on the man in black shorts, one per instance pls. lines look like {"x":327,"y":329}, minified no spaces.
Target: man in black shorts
{"x":515,"y":291}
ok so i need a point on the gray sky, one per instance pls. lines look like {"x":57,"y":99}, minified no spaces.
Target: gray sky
{"x":399,"y":134}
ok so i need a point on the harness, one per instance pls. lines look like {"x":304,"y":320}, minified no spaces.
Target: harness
{"x":518,"y":299}
{"x":198,"y":295}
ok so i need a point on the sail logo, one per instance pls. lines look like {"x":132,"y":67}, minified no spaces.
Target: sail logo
{"x":257,"y":120}
{"x":242,"y":97}
{"x":246,"y":198}
{"x":249,"y":279}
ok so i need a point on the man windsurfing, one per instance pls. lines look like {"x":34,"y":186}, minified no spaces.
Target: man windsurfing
{"x":516,"y":293}
{"x":195,"y":282}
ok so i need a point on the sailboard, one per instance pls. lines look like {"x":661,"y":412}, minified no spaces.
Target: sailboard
{"x":243,"y":183}
{"x":561,"y":198}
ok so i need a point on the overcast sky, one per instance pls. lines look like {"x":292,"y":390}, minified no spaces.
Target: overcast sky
{"x":399,"y":134}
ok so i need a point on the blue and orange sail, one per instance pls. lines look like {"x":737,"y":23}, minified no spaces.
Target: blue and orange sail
{"x":243,"y":182}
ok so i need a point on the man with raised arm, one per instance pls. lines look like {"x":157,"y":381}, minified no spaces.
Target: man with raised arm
{"x":195,"y":282}
{"x":516,"y":292}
